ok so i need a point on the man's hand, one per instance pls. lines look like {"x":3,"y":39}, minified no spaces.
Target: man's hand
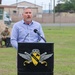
{"x":4,"y":37}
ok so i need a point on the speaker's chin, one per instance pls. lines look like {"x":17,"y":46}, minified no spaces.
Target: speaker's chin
{"x":29,"y":20}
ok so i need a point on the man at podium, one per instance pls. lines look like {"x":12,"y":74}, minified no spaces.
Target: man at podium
{"x":26,"y":30}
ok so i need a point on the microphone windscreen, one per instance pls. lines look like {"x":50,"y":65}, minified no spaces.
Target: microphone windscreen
{"x":35,"y":30}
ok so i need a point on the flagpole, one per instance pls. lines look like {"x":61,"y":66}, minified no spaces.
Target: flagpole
{"x":54,"y":11}
{"x":16,"y":2}
{"x":0,"y":1}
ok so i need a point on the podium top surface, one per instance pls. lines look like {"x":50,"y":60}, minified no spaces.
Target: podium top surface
{"x":37,"y":43}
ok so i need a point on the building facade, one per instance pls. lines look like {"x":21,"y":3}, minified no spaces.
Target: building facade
{"x":15,"y":10}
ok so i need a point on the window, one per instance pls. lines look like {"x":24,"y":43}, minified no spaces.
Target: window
{"x":1,"y":17}
{"x":1,"y":13}
{"x":14,"y":11}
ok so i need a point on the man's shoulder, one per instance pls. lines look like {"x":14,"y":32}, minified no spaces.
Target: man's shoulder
{"x":17,"y":23}
{"x":35,"y":22}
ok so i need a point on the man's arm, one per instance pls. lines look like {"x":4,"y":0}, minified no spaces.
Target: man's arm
{"x":41,"y":34}
{"x":5,"y":34}
{"x":14,"y":36}
{"x":2,"y":34}
{"x":8,"y":34}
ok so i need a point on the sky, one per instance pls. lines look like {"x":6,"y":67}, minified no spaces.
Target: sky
{"x":43,"y":3}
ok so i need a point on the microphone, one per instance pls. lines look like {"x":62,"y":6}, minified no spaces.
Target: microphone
{"x":25,"y":37}
{"x":36,"y":31}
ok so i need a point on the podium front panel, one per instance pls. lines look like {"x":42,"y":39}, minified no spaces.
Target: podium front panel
{"x":35,"y":58}
{"x":35,"y":73}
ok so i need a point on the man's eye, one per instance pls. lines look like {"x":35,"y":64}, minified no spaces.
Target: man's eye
{"x":26,"y":12}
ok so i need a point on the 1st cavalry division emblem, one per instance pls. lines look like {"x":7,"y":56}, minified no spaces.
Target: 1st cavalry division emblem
{"x":35,"y":57}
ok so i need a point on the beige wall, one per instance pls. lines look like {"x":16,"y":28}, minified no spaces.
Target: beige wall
{"x":36,"y":8}
{"x":10,"y":10}
{"x":40,"y":10}
{"x":19,"y":9}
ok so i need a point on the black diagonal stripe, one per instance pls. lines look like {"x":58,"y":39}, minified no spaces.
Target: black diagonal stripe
{"x":35,"y":58}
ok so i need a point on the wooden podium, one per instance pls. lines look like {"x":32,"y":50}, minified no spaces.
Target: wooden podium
{"x":35,"y":59}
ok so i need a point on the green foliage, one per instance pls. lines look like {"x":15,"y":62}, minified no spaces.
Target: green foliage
{"x":68,"y":5}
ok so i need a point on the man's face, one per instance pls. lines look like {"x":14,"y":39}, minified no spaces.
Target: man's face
{"x":6,"y":29}
{"x":27,"y":15}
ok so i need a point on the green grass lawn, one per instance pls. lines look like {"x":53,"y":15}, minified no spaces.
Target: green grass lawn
{"x":64,"y":52}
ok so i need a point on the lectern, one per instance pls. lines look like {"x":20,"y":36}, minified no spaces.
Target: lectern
{"x":35,"y":59}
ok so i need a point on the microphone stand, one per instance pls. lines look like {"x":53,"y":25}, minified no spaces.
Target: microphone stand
{"x":43,"y":38}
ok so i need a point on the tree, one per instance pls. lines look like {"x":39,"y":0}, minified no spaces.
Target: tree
{"x":68,"y":5}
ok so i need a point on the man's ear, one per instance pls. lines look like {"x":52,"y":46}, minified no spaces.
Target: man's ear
{"x":22,"y":15}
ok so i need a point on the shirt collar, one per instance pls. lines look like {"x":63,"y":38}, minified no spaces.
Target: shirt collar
{"x":26,"y":24}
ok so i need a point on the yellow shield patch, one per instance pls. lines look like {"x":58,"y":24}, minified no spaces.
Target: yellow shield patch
{"x":35,"y":58}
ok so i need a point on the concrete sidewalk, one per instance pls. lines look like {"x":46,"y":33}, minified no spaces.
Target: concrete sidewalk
{"x":58,"y":24}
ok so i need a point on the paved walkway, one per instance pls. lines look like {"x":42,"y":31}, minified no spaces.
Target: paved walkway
{"x":53,"y":24}
{"x":58,"y":24}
